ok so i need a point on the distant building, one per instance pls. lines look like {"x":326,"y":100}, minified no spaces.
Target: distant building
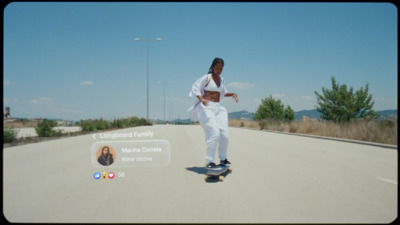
{"x":65,"y":123}
{"x":6,"y":114}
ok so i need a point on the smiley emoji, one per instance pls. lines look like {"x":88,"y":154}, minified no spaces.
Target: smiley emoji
{"x":104,"y":175}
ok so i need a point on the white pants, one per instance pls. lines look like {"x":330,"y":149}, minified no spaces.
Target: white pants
{"x":214,"y":120}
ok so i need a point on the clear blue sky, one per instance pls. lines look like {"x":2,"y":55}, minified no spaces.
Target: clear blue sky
{"x":79,"y":60}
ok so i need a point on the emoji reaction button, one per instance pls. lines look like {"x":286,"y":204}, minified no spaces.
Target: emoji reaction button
{"x":104,"y":175}
{"x":111,"y":175}
{"x":97,"y":175}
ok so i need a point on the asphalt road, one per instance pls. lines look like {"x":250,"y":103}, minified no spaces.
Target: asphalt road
{"x":276,"y":178}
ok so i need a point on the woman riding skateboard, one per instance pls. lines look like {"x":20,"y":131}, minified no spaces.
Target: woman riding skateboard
{"x":213,"y":117}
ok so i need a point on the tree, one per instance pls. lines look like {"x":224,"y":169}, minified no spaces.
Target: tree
{"x":289,"y":114}
{"x":273,"y":109}
{"x":343,"y":105}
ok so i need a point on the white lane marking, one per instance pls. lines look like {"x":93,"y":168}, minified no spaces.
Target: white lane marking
{"x":387,"y":180}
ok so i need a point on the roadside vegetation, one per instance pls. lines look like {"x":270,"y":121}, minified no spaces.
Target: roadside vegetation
{"x":273,"y":109}
{"x":344,"y":114}
{"x":45,"y":129}
{"x":342,"y":105}
{"x":101,"y":124}
{"x":384,"y":131}
{"x":9,"y":135}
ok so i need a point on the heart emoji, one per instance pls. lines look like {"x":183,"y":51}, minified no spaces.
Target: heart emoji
{"x":111,"y":175}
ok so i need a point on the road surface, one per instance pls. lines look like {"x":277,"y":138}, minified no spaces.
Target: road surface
{"x":276,"y":178}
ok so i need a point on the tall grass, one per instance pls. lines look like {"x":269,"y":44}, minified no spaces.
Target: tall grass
{"x":372,"y":131}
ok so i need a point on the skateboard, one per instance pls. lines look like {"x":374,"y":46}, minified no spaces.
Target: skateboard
{"x":218,"y":172}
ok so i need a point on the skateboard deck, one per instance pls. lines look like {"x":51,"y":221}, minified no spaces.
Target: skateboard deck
{"x":218,"y":172}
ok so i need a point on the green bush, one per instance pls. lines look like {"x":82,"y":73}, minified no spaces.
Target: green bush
{"x":344,"y":105}
{"x":134,"y":121}
{"x":45,"y":128}
{"x":86,"y":125}
{"x":9,"y":135}
{"x":273,"y":109}
{"x":101,"y":124}
{"x":117,"y":123}
{"x":288,"y":114}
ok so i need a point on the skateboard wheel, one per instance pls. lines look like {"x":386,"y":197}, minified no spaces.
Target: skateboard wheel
{"x":221,"y":178}
{"x":205,"y":178}
{"x":230,"y":170}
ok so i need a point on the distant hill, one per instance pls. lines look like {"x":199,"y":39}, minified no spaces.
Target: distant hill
{"x":388,"y":114}
{"x":241,"y":115}
{"x":314,"y":114}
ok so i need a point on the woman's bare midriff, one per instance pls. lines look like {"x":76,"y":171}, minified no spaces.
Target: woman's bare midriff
{"x":212,"y":96}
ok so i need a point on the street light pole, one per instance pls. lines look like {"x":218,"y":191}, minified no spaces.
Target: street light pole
{"x":165,"y":82}
{"x":147,"y":46}
{"x":148,"y":96}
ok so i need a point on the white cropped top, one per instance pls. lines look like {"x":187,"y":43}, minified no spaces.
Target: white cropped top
{"x":212,"y":86}
{"x":201,"y":85}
